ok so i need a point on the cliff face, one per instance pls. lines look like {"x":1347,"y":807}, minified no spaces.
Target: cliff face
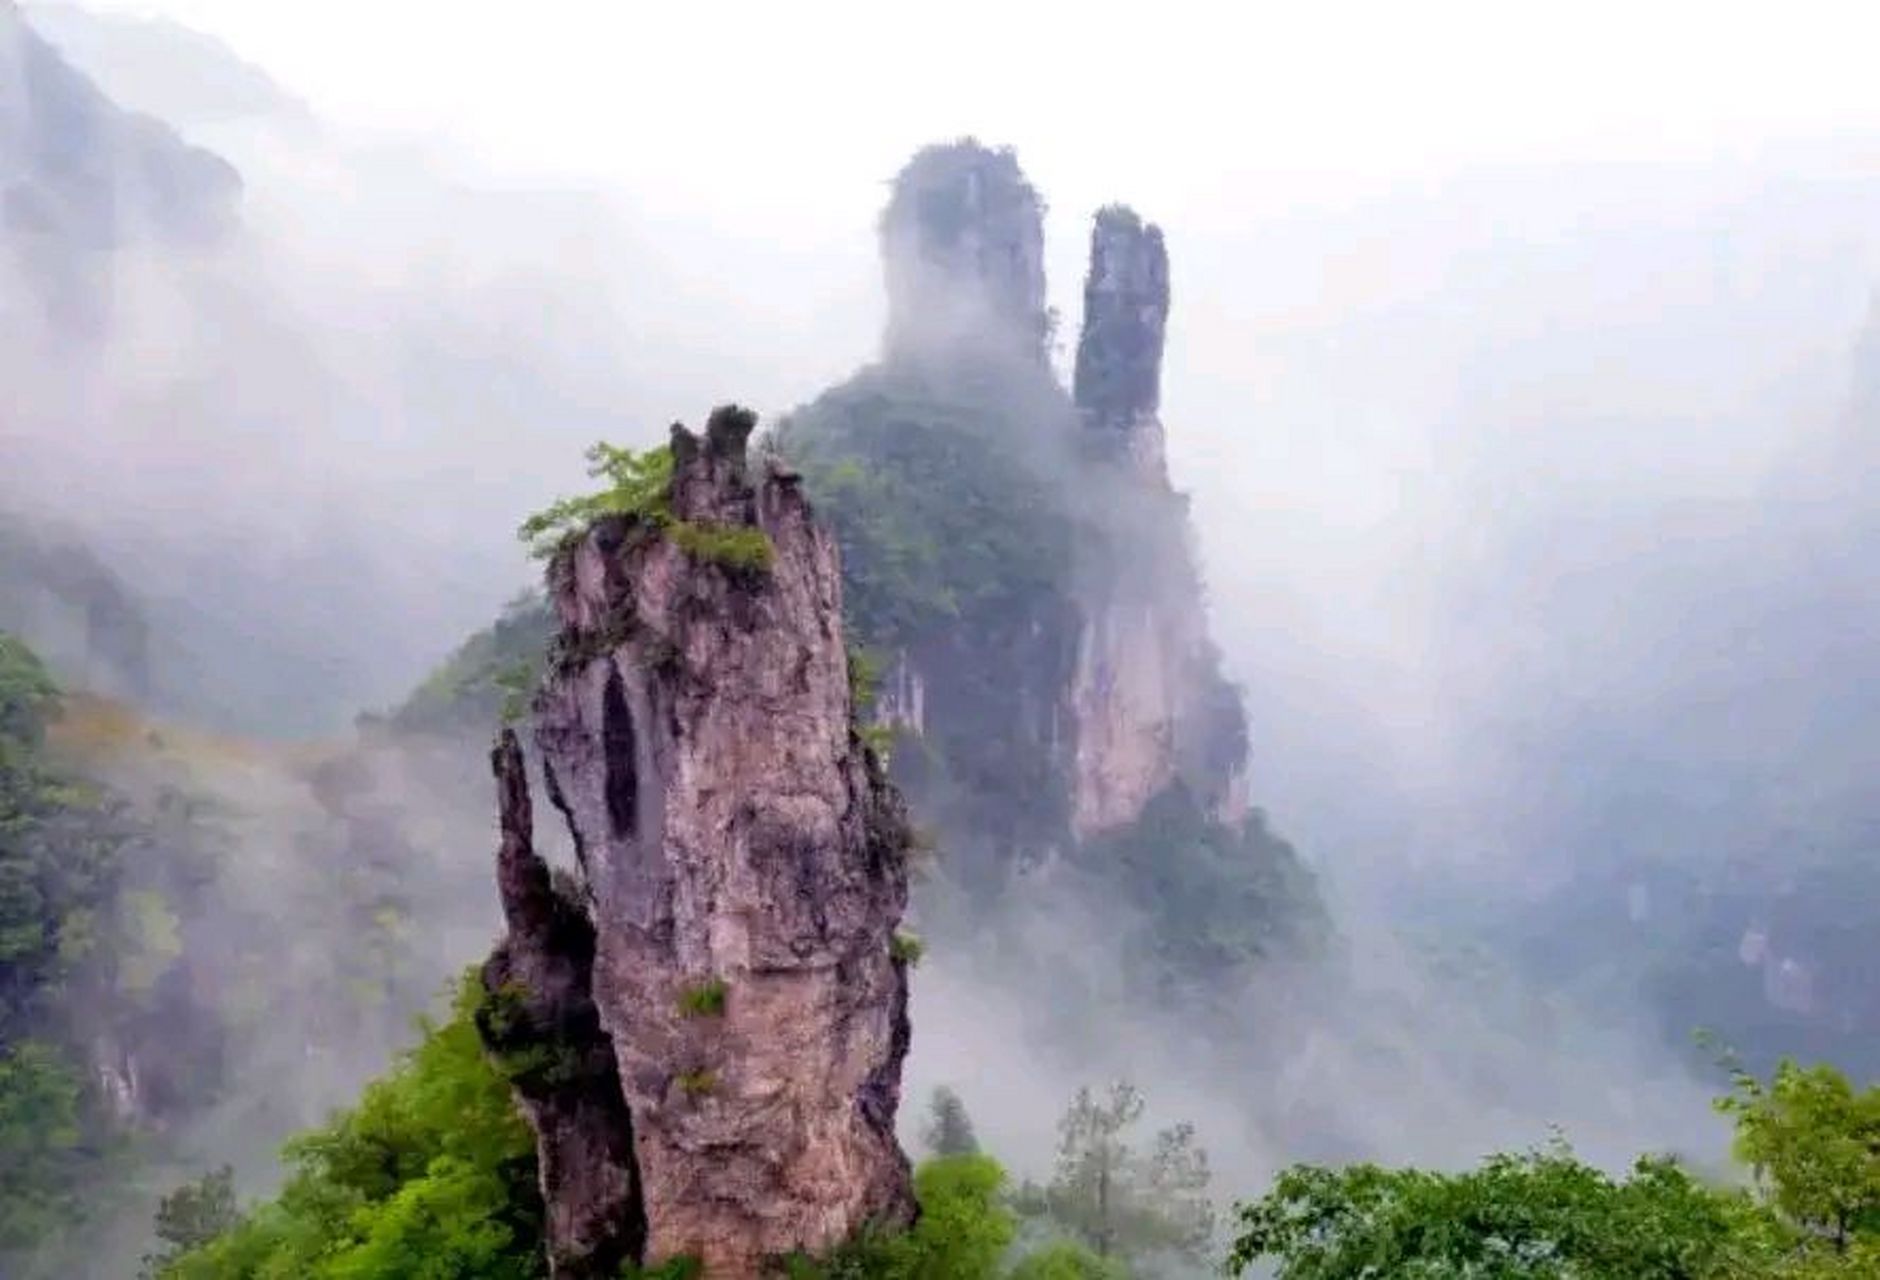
{"x":743,"y":861}
{"x":542,"y":1025}
{"x":1147,"y":698}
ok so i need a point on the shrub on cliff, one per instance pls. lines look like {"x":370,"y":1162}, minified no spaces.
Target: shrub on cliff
{"x":639,"y":486}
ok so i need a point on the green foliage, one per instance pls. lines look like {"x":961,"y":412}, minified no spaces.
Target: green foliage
{"x":864,"y":680}
{"x":490,"y":675}
{"x":939,"y":517}
{"x":949,"y":1130}
{"x":192,"y":1216}
{"x":741,"y":547}
{"x":42,"y":1165}
{"x":963,"y":1232}
{"x":878,"y":739}
{"x":671,"y":1269}
{"x":431,"y":1175}
{"x":1217,"y":897}
{"x":28,"y":695}
{"x":968,"y":521}
{"x":1121,"y":1204}
{"x":1813,"y":1141}
{"x":533,"y":1055}
{"x":906,"y":947}
{"x":1066,"y":1261}
{"x":864,"y":688}
{"x":61,"y":852}
{"x":152,"y":939}
{"x":1542,"y":1215}
{"x":1809,"y":1136}
{"x":698,"y":1082}
{"x":704,"y":999}
{"x":639,"y":487}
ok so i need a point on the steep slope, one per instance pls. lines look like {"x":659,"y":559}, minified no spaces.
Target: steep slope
{"x":743,"y":870}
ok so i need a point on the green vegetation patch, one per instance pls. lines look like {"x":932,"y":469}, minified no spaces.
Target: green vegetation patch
{"x":704,"y":999}
{"x":940,"y":513}
{"x":639,"y":488}
{"x":906,"y":947}
{"x":698,"y":1082}
{"x":1218,"y":896}
{"x":489,"y":677}
{"x":432,"y":1173}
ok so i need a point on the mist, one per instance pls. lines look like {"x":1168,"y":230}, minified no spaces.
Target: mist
{"x":1522,"y":476}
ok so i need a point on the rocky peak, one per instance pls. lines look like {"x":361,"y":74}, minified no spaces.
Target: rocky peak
{"x":743,"y":863}
{"x":963,"y":246}
{"x":1118,"y":381}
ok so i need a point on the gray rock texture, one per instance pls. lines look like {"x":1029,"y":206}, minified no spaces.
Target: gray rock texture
{"x":1147,"y":701}
{"x":540,"y":1024}
{"x":744,"y":860}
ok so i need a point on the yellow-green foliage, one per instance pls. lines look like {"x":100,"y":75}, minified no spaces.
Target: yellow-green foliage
{"x":963,"y":1233}
{"x":1813,"y":1141}
{"x":907,"y":948}
{"x":639,"y":485}
{"x":704,"y":999}
{"x":696,"y":1084}
{"x":152,"y":939}
{"x":686,"y":1268}
{"x":733,"y":546}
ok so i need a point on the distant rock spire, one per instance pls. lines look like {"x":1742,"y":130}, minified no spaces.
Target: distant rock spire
{"x":962,"y":243}
{"x":1118,"y":382}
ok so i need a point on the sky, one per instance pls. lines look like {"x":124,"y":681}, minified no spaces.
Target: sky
{"x":802,"y":102}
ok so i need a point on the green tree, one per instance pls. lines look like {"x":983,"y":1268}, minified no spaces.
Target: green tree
{"x":430,"y":1177}
{"x":60,"y":849}
{"x":1811,"y":1139}
{"x":41,"y":1159}
{"x":949,"y":1130}
{"x":1119,"y":1203}
{"x":1813,"y":1142}
{"x":193,"y":1215}
{"x":1538,"y":1216}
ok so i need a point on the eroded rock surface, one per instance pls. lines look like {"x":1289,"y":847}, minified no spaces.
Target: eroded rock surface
{"x":744,"y":862}
{"x":1147,"y":700}
{"x":540,"y":1022}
